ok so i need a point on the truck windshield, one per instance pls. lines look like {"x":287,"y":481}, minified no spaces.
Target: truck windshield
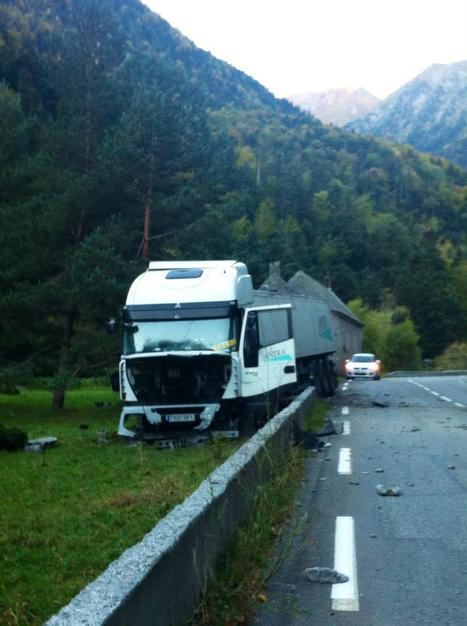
{"x":175,"y":335}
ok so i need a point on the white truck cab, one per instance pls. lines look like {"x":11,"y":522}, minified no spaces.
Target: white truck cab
{"x":197,"y":351}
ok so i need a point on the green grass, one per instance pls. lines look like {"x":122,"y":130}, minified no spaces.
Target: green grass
{"x":239,"y":580}
{"x":316,"y":416}
{"x":66,"y":514}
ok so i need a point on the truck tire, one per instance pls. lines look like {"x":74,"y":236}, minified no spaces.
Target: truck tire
{"x":331,"y":373}
{"x":247,"y":424}
{"x":319,"y":377}
{"x":327,"y":378}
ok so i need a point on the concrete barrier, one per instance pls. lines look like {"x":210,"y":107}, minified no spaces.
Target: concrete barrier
{"x":158,"y":581}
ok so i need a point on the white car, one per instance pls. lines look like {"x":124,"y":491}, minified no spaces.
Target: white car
{"x":363,"y":365}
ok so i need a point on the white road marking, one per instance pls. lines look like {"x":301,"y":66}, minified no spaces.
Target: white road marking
{"x":344,"y":596}
{"x":438,"y":395}
{"x":345,"y":410}
{"x":345,"y":461}
{"x":346,"y":430}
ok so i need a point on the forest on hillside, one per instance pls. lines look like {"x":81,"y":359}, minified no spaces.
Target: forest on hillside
{"x":120,"y":142}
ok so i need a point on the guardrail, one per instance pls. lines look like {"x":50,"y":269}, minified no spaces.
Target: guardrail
{"x":421,"y":373}
{"x":158,"y":581}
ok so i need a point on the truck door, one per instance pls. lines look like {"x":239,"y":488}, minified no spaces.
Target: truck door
{"x":267,"y":350}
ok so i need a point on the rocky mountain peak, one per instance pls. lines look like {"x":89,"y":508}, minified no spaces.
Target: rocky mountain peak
{"x":336,"y":106}
{"x":429,"y":112}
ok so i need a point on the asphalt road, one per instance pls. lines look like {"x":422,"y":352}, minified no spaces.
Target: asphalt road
{"x":406,"y":556}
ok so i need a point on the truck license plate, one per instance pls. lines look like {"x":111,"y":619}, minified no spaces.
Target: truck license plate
{"x":180,"y":417}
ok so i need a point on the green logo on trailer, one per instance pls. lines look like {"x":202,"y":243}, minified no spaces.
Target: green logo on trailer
{"x":324,"y":329}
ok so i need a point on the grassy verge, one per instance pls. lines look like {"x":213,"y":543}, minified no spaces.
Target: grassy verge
{"x":66,"y":514}
{"x":238,"y":583}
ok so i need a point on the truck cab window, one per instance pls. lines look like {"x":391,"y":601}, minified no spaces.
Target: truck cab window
{"x":214,"y":335}
{"x":251,"y":343}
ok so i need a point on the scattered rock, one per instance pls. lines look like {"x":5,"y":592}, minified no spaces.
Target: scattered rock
{"x":410,"y":484}
{"x":102,"y":437}
{"x":379,"y":470}
{"x":306,"y":439}
{"x":328,"y":429}
{"x":373,"y":536}
{"x":388,"y":491}
{"x":451,"y":467}
{"x":381,"y":402}
{"x":414,"y":429}
{"x":325,"y":575}
{"x":328,"y":444}
{"x":353,"y":482}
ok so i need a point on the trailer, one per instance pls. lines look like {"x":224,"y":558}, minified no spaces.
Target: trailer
{"x":203,"y":351}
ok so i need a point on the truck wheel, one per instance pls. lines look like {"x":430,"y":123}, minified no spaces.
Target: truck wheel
{"x":329,"y":376}
{"x":318,"y":379}
{"x":248,"y":423}
{"x":335,"y":380}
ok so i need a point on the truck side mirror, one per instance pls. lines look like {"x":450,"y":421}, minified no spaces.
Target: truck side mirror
{"x":111,"y":326}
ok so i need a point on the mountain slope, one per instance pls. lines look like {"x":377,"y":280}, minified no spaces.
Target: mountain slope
{"x":336,"y":106}
{"x":429,"y":112}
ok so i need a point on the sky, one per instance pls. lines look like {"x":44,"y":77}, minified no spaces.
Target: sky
{"x":297,"y":46}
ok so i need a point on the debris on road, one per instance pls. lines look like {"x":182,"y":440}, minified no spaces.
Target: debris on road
{"x":379,"y":470}
{"x":382,"y":401}
{"x":41,"y":444}
{"x":306,"y":439}
{"x":102,"y":437}
{"x":325,"y":575}
{"x":451,"y":467}
{"x":388,"y":491}
{"x":414,"y":429}
{"x":329,"y":428}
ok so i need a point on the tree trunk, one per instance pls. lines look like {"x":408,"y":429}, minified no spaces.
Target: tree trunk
{"x":60,"y":385}
{"x":147,"y":231}
{"x":148,"y":206}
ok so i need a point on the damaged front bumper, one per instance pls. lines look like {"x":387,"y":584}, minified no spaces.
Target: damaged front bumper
{"x":136,"y":421}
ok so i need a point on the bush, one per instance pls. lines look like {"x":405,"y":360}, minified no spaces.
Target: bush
{"x":453,"y":358}
{"x":12,"y":376}
{"x":12,"y":439}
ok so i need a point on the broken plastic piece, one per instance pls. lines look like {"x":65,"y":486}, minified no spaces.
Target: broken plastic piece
{"x":325,"y":575}
{"x":388,"y":491}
